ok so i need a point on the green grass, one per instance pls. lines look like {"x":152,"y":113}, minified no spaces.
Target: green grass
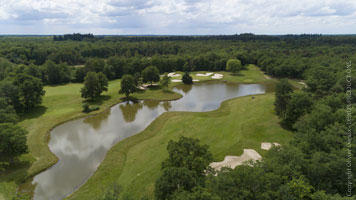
{"x":63,"y":103}
{"x":134,"y":163}
{"x":252,"y":75}
{"x":60,"y":104}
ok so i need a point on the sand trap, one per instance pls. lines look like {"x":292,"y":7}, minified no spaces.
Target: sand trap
{"x":268,"y":145}
{"x":217,"y":76}
{"x":172,"y":74}
{"x":176,"y":80}
{"x":305,"y":85}
{"x":233,"y":161}
{"x":142,"y":88}
{"x":267,"y":77}
{"x":195,"y":80}
{"x":206,"y":74}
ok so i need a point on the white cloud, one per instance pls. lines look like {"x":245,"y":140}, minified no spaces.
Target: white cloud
{"x":177,"y":16}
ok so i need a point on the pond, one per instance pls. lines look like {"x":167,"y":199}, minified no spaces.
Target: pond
{"x":82,"y":144}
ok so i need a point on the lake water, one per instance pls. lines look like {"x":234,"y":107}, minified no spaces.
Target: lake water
{"x":81,"y":144}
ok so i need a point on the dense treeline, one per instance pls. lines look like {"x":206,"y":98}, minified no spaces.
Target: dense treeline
{"x":313,"y":166}
{"x":74,"y":36}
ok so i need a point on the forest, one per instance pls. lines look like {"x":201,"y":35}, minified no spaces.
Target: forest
{"x":317,"y":164}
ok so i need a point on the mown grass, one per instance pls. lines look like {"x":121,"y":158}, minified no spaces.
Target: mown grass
{"x":60,"y":104}
{"x":63,"y":103}
{"x":135,"y":162}
{"x":252,"y":75}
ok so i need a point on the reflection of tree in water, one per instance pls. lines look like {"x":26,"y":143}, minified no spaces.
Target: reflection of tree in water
{"x":151,"y":104}
{"x":97,"y":120}
{"x":186,"y":88}
{"x":129,"y":111}
{"x":167,"y":105}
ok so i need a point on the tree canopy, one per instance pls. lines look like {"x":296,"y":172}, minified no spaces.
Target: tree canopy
{"x":150,"y":74}
{"x":127,"y":85}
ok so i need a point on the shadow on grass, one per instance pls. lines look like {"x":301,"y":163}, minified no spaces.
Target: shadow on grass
{"x":99,"y":101}
{"x":33,"y":113}
{"x":285,"y":126}
{"x":237,"y":74}
{"x":130,"y":98}
{"x":154,"y":87}
{"x":16,"y":171}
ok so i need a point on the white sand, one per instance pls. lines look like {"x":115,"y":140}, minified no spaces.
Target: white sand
{"x":176,"y":80}
{"x":206,"y":74}
{"x":141,"y":88}
{"x":268,"y":145}
{"x":217,"y":76}
{"x":172,"y":74}
{"x":305,"y":85}
{"x":267,"y":77}
{"x":233,"y":161}
{"x":195,"y":80}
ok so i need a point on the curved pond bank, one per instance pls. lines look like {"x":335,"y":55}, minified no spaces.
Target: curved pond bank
{"x":82,"y":144}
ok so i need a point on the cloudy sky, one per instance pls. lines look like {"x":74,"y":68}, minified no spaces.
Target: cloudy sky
{"x":177,"y":17}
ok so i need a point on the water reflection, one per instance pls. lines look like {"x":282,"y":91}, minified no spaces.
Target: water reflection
{"x":81,"y":144}
{"x":151,"y":104}
{"x":185,"y":88}
{"x":96,"y":122}
{"x":167,"y":105}
{"x":129,"y":110}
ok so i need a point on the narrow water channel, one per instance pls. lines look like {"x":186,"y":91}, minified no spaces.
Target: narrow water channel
{"x":81,"y":144}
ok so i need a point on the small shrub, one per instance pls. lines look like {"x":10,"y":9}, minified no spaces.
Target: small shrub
{"x":187,"y":79}
{"x":87,"y":108}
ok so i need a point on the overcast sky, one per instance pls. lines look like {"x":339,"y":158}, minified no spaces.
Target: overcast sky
{"x":177,"y":17}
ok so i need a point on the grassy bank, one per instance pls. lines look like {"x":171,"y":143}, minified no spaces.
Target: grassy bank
{"x":63,"y":103}
{"x":134,"y":163}
{"x":60,"y":104}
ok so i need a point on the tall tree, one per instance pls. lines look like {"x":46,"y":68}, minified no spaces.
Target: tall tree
{"x":30,"y":92}
{"x":282,"y":96}
{"x":150,"y":74}
{"x":298,"y":105}
{"x":127,"y":85}
{"x":165,"y":81}
{"x":12,"y":140}
{"x":7,"y":112}
{"x":103,"y":81}
{"x":92,"y":86}
{"x":234,"y":65}
{"x":187,"y":79}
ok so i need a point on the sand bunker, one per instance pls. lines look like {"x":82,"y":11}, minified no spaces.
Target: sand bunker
{"x":249,"y":154}
{"x":233,"y":161}
{"x":217,"y":76}
{"x":301,"y":82}
{"x":195,"y":80}
{"x":172,"y":74}
{"x":268,"y":145}
{"x":206,"y":74}
{"x":267,"y":77}
{"x":176,"y":80}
